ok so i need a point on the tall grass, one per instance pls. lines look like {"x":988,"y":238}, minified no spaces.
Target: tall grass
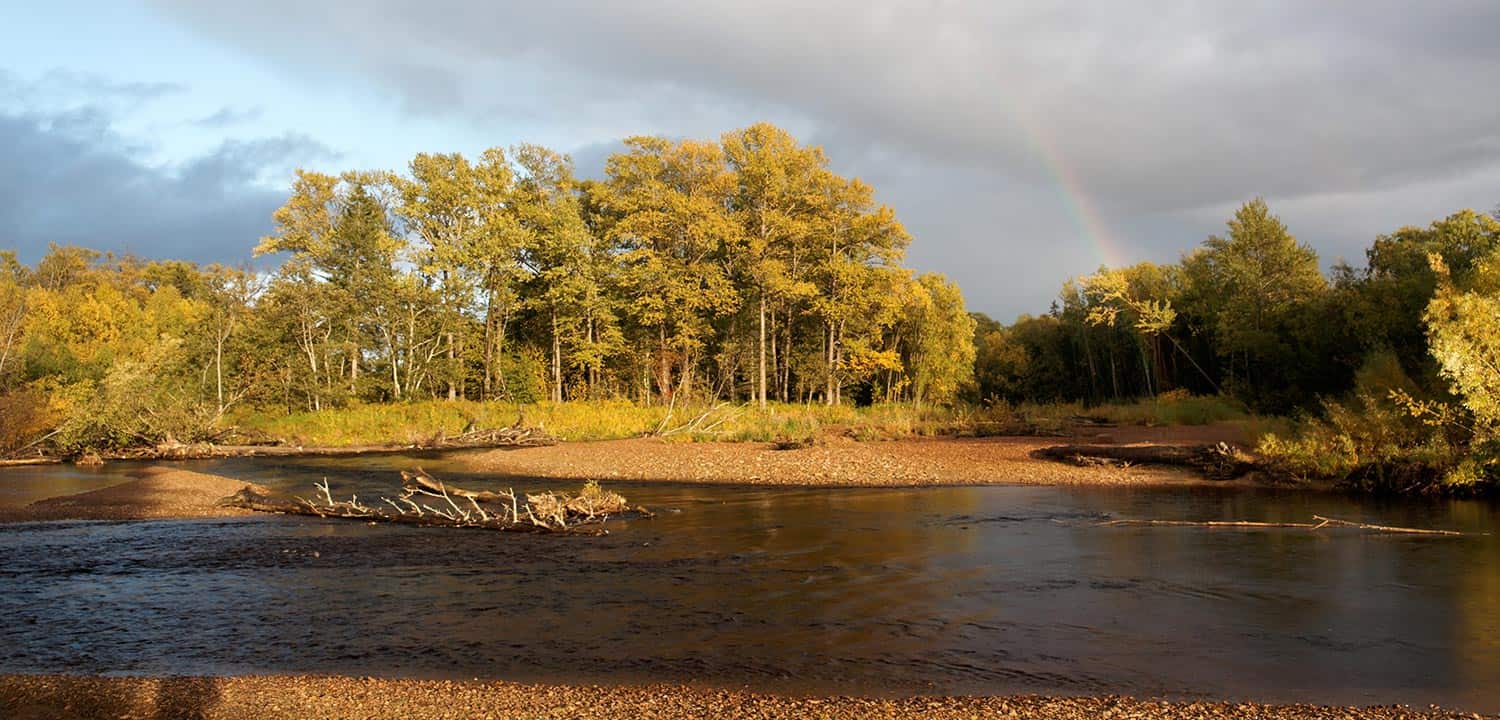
{"x":418,"y":422}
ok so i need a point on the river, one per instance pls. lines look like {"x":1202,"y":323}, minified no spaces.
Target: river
{"x":970,"y":590}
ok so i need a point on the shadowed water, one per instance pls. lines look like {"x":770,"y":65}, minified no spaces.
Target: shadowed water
{"x":864,"y":591}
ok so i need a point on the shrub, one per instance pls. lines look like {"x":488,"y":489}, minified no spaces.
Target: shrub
{"x":1370,"y":440}
{"x":24,"y":418}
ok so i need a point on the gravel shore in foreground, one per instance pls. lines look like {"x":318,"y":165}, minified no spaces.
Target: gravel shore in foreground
{"x":28,"y":697}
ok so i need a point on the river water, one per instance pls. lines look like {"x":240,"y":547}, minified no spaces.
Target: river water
{"x":860,"y":591}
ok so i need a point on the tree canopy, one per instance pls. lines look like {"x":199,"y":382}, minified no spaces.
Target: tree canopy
{"x":739,"y":269}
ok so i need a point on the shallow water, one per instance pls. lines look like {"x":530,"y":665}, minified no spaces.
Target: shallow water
{"x":864,"y":591}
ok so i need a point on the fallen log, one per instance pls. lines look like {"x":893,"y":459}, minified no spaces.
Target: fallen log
{"x":543,"y":513}
{"x":1322,"y":522}
{"x":419,"y":481}
{"x":1219,"y":462}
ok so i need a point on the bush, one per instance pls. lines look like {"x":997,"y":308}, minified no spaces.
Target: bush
{"x":1371,"y":440}
{"x":24,"y":418}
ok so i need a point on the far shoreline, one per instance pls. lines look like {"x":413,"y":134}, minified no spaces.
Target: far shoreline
{"x":169,"y":491}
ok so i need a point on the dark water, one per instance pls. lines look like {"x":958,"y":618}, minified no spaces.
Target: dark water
{"x":865,"y":591}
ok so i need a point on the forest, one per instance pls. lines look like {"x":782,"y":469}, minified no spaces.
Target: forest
{"x":744,"y":272}
{"x":739,"y":270}
{"x":1386,"y":373}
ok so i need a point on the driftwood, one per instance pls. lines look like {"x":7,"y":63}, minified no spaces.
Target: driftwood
{"x":418,"y":505}
{"x":418,"y":481}
{"x":704,"y":423}
{"x":1322,"y":522}
{"x":1220,"y":462}
{"x":515,"y":436}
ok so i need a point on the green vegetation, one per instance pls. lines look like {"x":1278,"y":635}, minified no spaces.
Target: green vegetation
{"x":420,"y":421}
{"x":696,"y":273}
{"x":1389,"y":372}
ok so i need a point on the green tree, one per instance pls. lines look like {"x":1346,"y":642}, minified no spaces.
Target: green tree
{"x":1463,"y":322}
{"x":549,"y":209}
{"x":774,"y":201}
{"x":941,"y":356}
{"x":13,"y":282}
{"x":857,"y":238}
{"x":675,"y":223}
{"x":1261,"y":275}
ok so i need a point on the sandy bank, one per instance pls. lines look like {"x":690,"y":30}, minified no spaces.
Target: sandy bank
{"x":269,"y":698}
{"x":927,"y":461}
{"x":156,"y":493}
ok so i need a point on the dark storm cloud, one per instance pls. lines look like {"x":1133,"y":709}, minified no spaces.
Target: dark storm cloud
{"x":1153,"y":116}
{"x":70,"y":180}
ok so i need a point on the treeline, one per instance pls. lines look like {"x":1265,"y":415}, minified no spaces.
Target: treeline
{"x":1392,"y":366}
{"x":742,"y":270}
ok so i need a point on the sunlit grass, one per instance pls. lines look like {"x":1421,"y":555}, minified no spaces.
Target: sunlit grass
{"x":418,"y":422}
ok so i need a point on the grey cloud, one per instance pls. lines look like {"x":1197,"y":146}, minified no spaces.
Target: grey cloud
{"x":588,"y":160}
{"x":1150,"y":117}
{"x":70,"y":181}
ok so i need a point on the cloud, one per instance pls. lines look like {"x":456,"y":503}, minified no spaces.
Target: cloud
{"x":228,"y":117}
{"x":1145,"y":117}
{"x":70,"y":179}
{"x":58,"y":88}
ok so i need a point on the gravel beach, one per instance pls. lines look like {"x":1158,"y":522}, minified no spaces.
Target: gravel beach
{"x":34,"y":697}
{"x":838,"y":462}
{"x":156,"y":493}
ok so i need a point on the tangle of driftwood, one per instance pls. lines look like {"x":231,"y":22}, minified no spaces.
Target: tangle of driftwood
{"x":427,"y":501}
{"x":1322,"y":522}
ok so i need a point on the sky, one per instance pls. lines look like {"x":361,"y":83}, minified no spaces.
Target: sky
{"x":1020,"y":143}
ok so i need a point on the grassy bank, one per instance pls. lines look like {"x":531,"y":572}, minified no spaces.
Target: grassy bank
{"x":416,"y":422}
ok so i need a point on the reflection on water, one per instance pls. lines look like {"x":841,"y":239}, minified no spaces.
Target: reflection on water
{"x":969,"y":590}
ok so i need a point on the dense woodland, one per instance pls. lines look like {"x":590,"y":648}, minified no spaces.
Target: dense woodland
{"x":1391,"y":368}
{"x":742,"y":270}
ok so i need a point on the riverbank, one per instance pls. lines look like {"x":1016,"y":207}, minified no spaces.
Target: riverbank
{"x":165,"y":492}
{"x":30,"y":697}
{"x":156,"y":493}
{"x":839,"y":462}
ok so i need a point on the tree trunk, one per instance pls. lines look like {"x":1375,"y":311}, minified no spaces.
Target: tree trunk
{"x":452,"y":386}
{"x":557,"y":393}
{"x":390,"y":342}
{"x":219,"y":369}
{"x":761,"y":389}
{"x":593,"y":369}
{"x":828,"y":371}
{"x":489,"y":350}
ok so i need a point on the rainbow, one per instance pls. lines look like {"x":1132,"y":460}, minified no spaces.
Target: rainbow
{"x":1106,"y":247}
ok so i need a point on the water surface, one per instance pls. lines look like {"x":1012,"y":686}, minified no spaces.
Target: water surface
{"x":865,"y":591}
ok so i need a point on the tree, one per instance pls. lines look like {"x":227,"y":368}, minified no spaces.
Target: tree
{"x":941,"y":355}
{"x":1393,"y":293}
{"x":229,"y":294}
{"x":1261,"y":275}
{"x":340,"y":233}
{"x":13,"y":281}
{"x":673,"y":199}
{"x":1463,"y":322}
{"x":548,"y":208}
{"x":858,"y":238}
{"x":774,"y":201}
{"x":442,"y":205}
